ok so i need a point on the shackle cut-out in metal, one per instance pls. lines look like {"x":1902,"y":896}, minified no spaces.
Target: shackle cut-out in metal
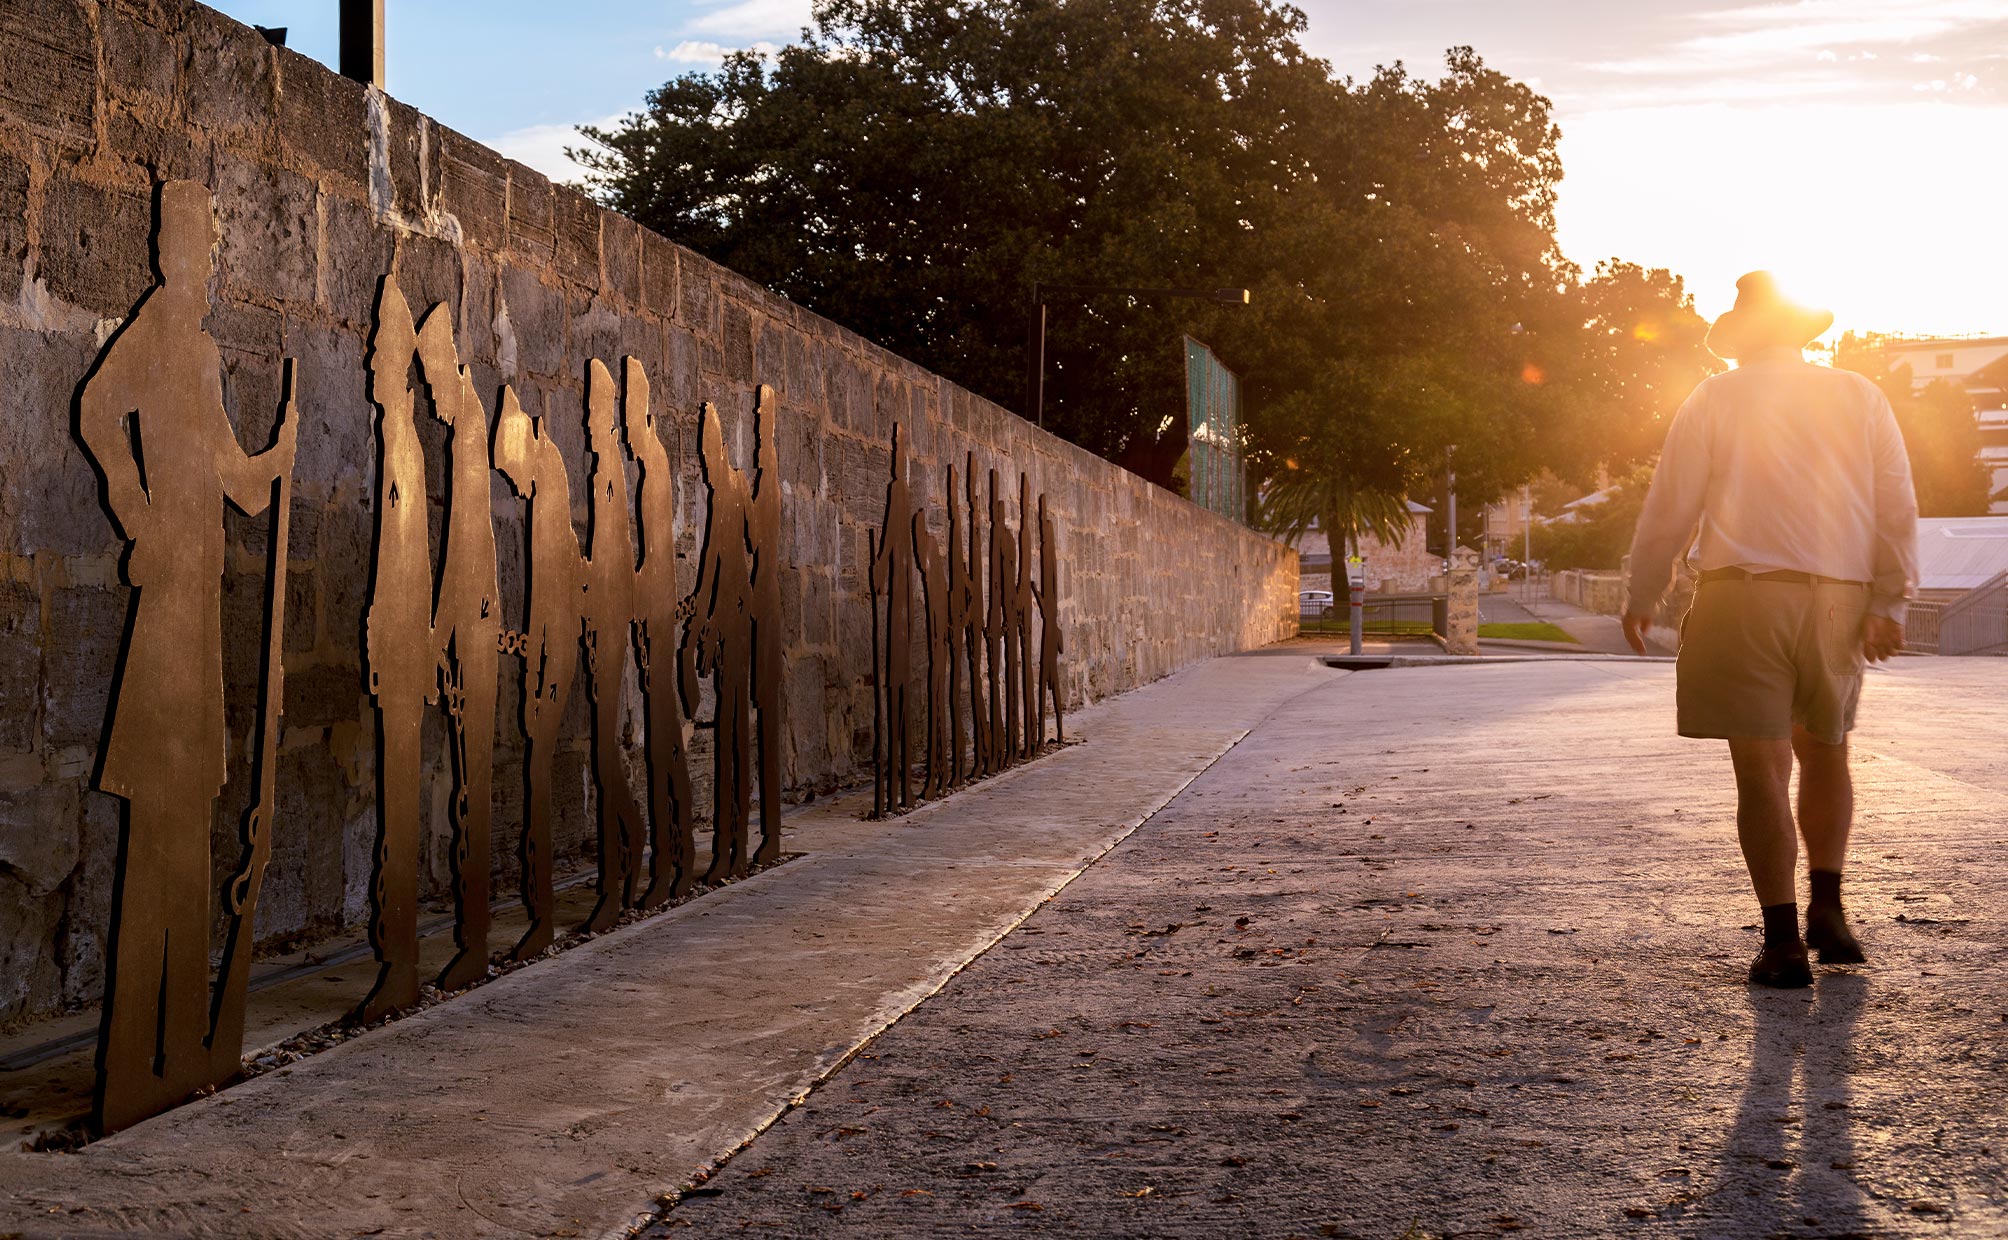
{"x":151,"y":418}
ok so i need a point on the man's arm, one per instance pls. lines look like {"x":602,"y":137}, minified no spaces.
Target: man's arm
{"x":1672,"y":511}
{"x":1895,"y":562}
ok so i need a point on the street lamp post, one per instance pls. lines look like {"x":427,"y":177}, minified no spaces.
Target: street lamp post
{"x":1035,"y":335}
{"x":1450,"y":469}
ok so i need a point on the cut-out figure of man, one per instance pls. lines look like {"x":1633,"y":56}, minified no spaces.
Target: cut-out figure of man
{"x":1021,"y":604}
{"x":536,"y":470}
{"x":976,"y":617}
{"x":401,"y":654}
{"x":892,"y":575}
{"x":1797,"y":478}
{"x":151,"y":417}
{"x":719,"y":643}
{"x":763,"y":534}
{"x":466,"y":623}
{"x":1051,"y":645}
{"x":609,"y":624}
{"x":658,"y":626}
{"x":1004,"y":628}
{"x":927,"y":554}
{"x":960,"y":599}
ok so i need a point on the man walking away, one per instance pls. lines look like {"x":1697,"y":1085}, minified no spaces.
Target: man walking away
{"x":1797,"y":478}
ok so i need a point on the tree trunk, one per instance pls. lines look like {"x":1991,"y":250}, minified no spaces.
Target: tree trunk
{"x":1338,"y":534}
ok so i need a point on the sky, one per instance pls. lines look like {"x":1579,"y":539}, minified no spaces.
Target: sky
{"x":1855,"y":147}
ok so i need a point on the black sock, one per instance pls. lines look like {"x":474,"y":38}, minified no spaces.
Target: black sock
{"x":1781,"y":924}
{"x":1826,"y":889}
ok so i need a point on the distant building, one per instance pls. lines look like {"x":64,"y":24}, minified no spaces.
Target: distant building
{"x":1980,"y":365}
{"x":1405,"y":568}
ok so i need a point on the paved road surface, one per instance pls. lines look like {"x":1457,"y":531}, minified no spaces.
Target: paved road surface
{"x":1452,"y":951}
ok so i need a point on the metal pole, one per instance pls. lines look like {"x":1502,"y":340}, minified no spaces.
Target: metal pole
{"x":1450,"y":467}
{"x":1527,"y":520}
{"x":1035,"y":358}
{"x":1356,"y":605}
{"x":362,"y":41}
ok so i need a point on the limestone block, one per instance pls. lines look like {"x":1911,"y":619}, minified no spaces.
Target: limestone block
{"x":48,"y":70}
{"x":94,"y":251}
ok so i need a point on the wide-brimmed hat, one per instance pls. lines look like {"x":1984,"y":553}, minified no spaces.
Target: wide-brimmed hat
{"x":1764,"y":318}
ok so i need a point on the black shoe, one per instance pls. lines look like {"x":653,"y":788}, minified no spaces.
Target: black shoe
{"x":1828,"y":934}
{"x":1781,"y":965}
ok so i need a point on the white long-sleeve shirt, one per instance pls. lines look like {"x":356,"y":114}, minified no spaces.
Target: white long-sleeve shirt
{"x":1783,"y":465}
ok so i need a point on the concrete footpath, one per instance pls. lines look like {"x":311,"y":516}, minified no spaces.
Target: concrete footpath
{"x":1429,"y":952}
{"x":1454,"y":951}
{"x":566,"y":1098}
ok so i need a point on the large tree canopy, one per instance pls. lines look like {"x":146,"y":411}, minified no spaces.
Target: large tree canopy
{"x":1938,"y":427}
{"x":911,"y":167}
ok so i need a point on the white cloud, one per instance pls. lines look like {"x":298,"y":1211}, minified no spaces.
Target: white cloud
{"x":543,"y":146}
{"x":754,"y":19}
{"x":705,"y":52}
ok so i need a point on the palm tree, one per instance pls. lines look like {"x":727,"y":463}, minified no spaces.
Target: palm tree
{"x":1298,"y":499}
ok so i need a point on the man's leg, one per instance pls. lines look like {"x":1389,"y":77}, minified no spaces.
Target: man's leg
{"x":1771,"y":851}
{"x":1826,"y":812}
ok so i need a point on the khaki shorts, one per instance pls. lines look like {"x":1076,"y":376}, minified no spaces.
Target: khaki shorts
{"x":1757,"y":657}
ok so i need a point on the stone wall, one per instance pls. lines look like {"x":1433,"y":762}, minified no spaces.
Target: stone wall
{"x":321,"y":188}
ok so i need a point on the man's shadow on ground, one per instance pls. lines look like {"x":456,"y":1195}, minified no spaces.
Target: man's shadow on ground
{"x":1786,"y":1169}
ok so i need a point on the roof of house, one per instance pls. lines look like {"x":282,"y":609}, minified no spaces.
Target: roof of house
{"x":1959,"y":553}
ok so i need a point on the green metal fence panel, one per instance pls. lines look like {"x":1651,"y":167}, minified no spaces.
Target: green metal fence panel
{"x":1218,"y":478}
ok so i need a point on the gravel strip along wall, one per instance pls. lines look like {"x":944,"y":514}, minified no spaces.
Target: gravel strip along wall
{"x":321,"y":187}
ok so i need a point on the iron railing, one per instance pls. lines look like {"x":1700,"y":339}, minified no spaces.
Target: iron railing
{"x":1976,"y":622}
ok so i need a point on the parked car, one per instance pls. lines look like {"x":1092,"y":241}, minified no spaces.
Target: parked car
{"x":1314,"y":604}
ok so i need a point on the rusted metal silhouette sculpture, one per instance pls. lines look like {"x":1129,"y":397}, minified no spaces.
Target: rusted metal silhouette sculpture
{"x":1021,"y":606}
{"x":400,"y":654}
{"x":548,"y":642}
{"x":672,"y":808}
{"x":975,"y":617}
{"x":610,"y":578}
{"x":424,"y":641}
{"x":151,"y":417}
{"x":1007,"y":610}
{"x":1051,"y":645}
{"x":719,"y":642}
{"x":959,"y":599}
{"x":763,"y":534}
{"x":998,"y":575}
{"x":933,"y":565}
{"x":892,"y":575}
{"x":466,"y":626}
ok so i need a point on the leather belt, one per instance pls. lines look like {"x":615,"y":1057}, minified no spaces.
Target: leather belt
{"x":1783,"y":574}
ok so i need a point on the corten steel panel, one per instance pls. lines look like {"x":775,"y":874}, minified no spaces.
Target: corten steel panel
{"x":719,"y":643}
{"x":1021,"y":605}
{"x":659,"y":620}
{"x":892,"y":650}
{"x":548,"y":642}
{"x":429,"y":640}
{"x":961,"y":602}
{"x":1051,"y":647}
{"x":763,"y":535}
{"x":609,"y":622}
{"x":151,"y":417}
{"x":933,"y":565}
